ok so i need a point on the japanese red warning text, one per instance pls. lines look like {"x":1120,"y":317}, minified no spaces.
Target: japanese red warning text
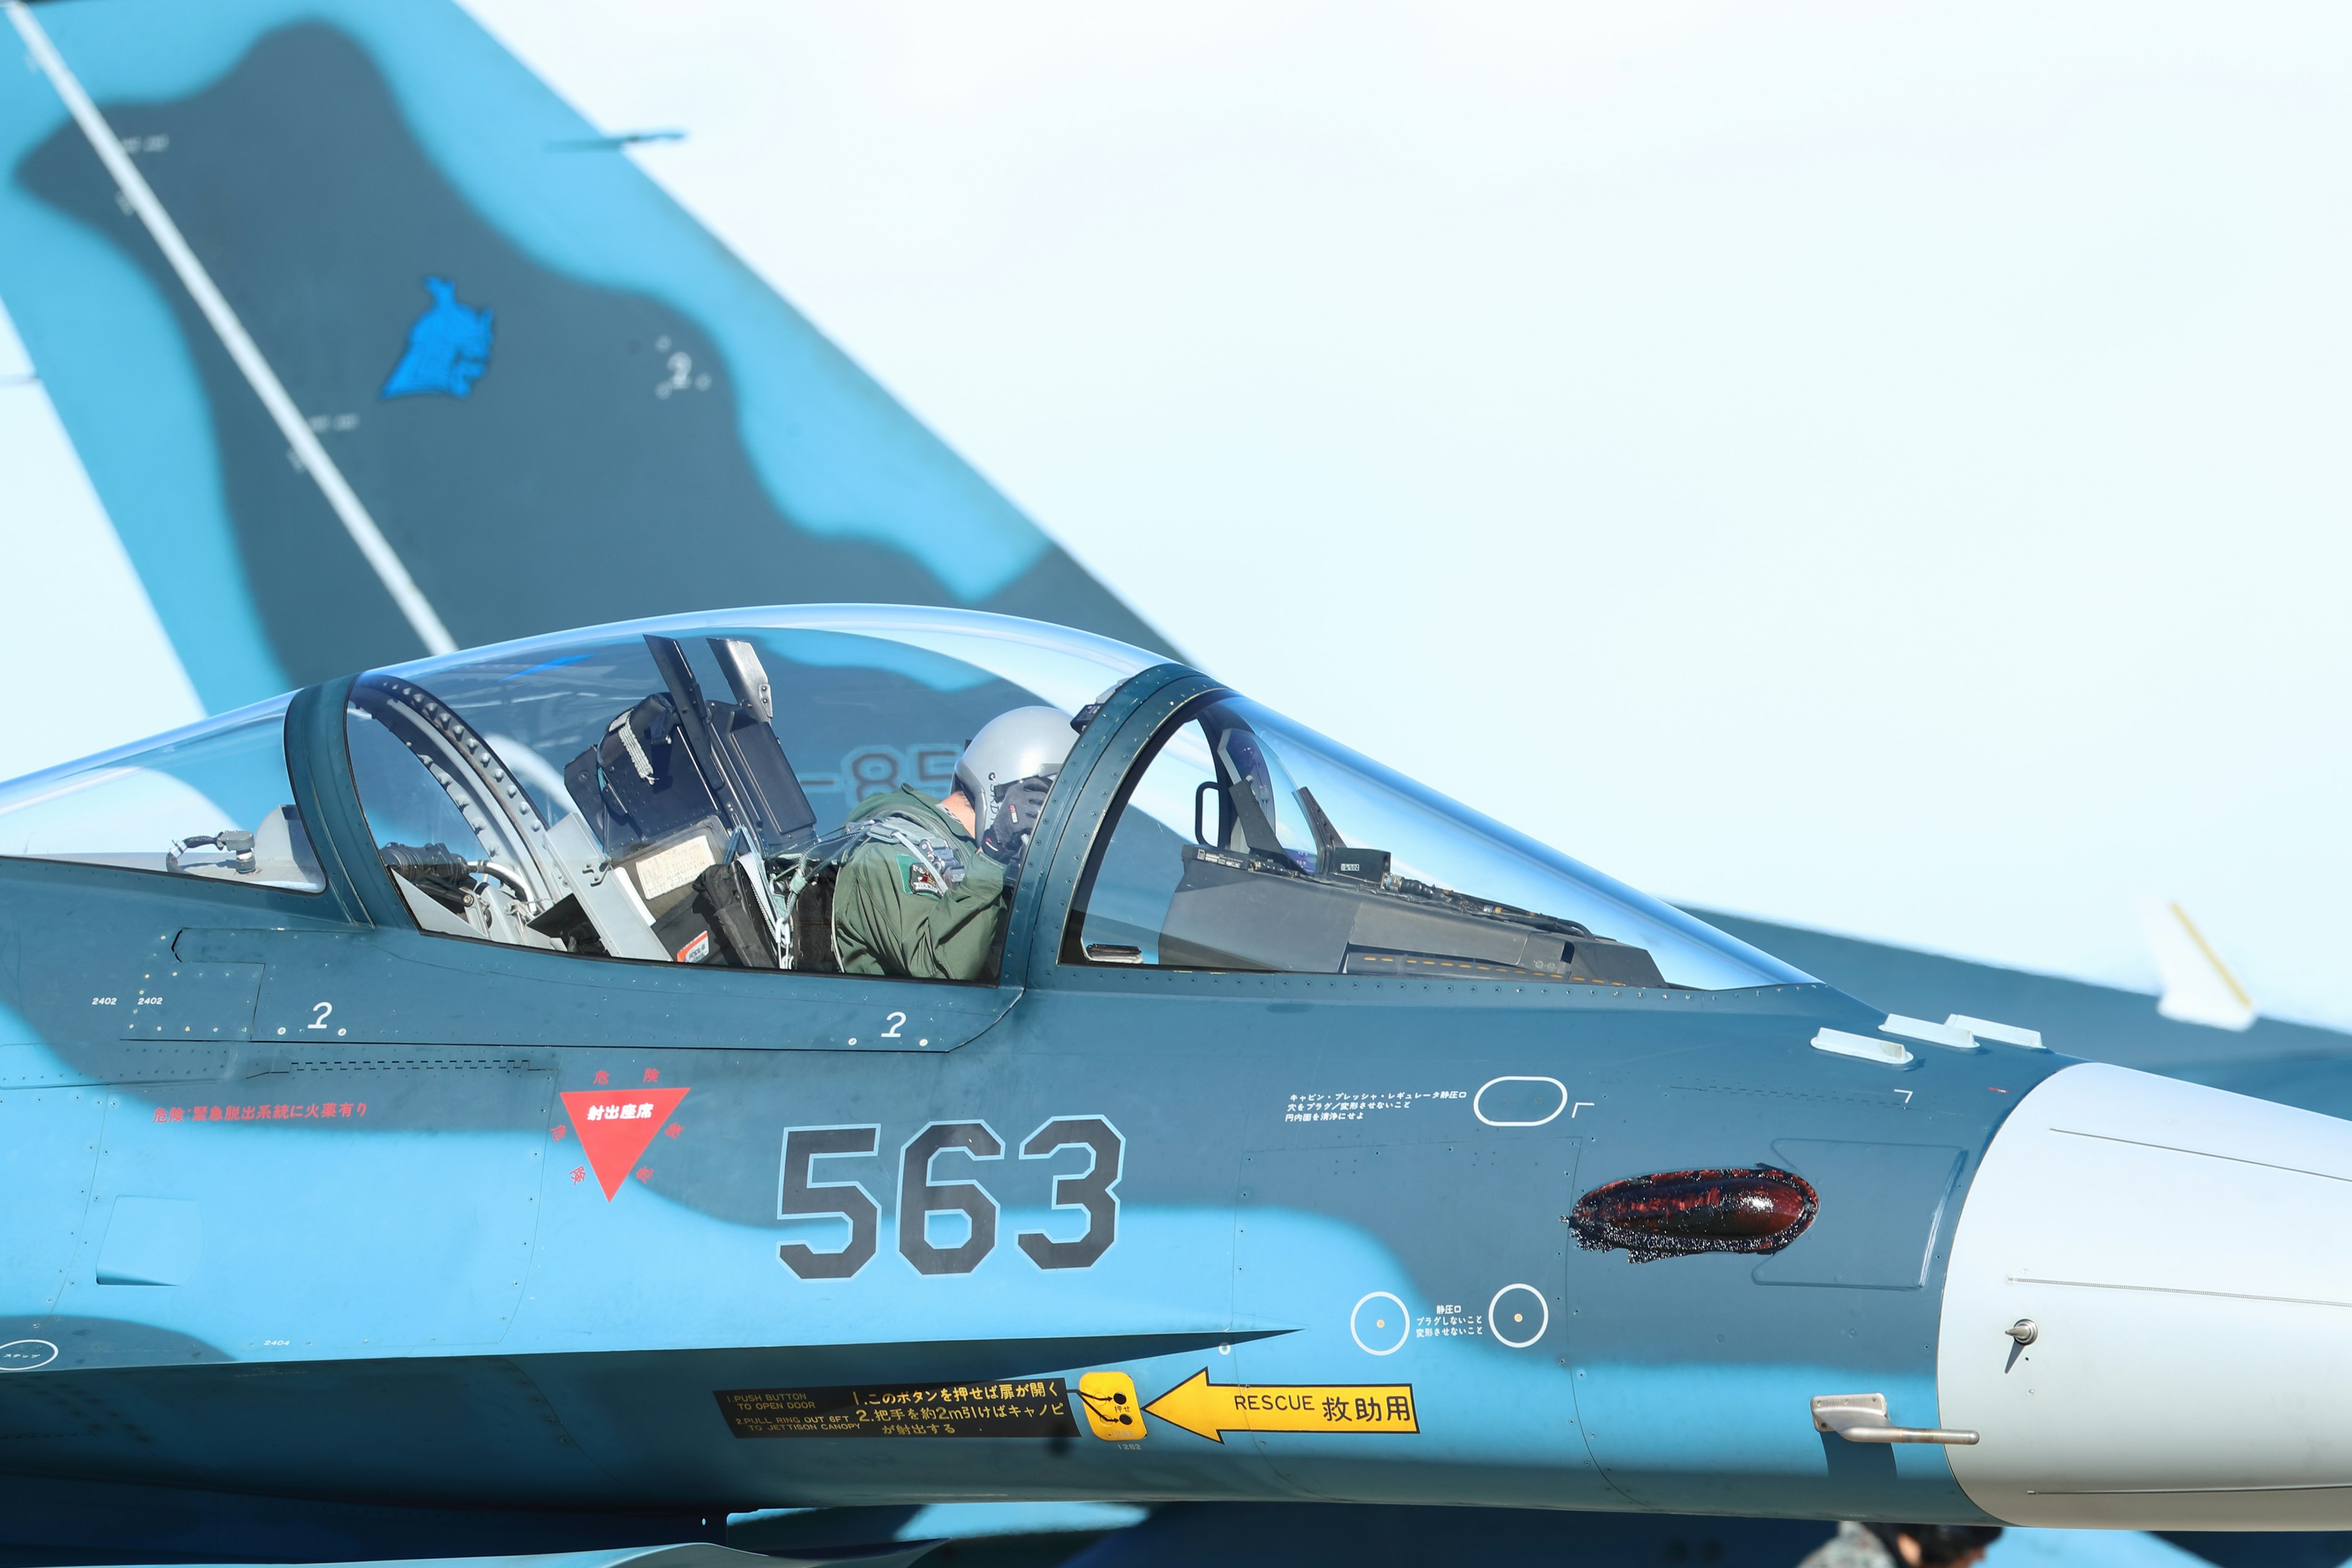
{"x":319,"y":1112}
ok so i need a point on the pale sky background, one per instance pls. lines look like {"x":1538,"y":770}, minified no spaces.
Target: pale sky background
{"x":1876,"y":467}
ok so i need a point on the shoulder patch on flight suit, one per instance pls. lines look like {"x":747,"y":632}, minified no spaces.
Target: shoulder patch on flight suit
{"x":917,"y":877}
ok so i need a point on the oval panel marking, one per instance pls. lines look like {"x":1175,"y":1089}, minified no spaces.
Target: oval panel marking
{"x":24,"y":1355}
{"x":1519,"y":1101}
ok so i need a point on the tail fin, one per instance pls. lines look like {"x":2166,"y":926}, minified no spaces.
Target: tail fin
{"x":2198,"y":986}
{"x":359,"y":331}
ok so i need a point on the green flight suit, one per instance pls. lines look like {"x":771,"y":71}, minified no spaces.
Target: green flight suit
{"x":894,"y":914}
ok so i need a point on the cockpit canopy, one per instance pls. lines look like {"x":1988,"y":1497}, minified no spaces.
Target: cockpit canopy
{"x":680,"y":790}
{"x":212,"y":800}
{"x":1242,"y":840}
{"x":687,"y":790}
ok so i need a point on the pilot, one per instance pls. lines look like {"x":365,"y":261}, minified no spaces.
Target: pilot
{"x":924,"y":893}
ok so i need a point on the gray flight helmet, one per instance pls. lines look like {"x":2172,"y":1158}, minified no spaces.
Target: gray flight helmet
{"x":1020,"y":743}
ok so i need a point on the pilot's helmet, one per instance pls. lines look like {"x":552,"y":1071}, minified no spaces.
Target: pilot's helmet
{"x":1015,"y":747}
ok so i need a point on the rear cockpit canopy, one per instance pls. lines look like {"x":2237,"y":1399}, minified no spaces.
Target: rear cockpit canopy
{"x":668,"y":790}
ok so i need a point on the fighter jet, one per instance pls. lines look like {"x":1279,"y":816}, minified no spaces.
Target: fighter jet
{"x":480,"y":1084}
{"x":303,"y":421}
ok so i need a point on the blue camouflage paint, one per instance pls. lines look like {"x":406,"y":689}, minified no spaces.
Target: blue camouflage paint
{"x":397,"y":1215}
{"x":448,"y":347}
{"x":425,"y":1297}
{"x":838,"y":456}
{"x":114,"y":363}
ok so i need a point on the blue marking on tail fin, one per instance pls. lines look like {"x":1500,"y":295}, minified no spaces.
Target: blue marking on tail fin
{"x":448,"y":347}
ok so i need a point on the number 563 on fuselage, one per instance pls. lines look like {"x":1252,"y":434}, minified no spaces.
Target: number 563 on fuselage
{"x":649,"y":1065}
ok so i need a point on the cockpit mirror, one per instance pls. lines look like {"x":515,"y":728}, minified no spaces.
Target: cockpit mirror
{"x":740,"y":662}
{"x":1201,"y":816}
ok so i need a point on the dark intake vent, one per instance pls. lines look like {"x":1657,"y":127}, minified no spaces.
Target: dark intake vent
{"x":1676,"y":1213}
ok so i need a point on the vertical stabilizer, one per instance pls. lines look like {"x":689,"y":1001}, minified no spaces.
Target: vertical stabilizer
{"x":366,"y":344}
{"x":2198,"y":986}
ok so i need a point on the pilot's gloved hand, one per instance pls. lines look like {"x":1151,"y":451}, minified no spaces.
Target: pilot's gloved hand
{"x":1006,"y":838}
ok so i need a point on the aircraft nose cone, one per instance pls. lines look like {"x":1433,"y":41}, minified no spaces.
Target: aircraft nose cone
{"x":2148,"y":1311}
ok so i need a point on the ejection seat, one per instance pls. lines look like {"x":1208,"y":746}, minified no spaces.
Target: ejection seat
{"x":688,"y":796}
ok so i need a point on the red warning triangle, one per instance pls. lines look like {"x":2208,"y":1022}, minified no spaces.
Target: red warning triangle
{"x":615,"y":1124}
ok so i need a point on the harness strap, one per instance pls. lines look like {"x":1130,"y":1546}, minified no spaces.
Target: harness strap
{"x":942,"y":859}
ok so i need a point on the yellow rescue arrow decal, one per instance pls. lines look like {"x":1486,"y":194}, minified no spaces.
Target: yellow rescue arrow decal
{"x":1209,"y":1409}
